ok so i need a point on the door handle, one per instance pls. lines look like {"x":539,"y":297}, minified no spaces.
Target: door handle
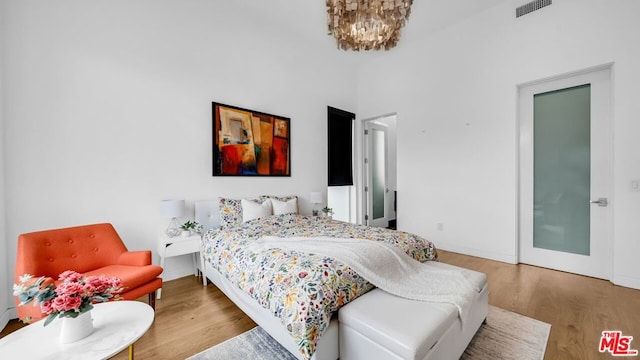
{"x":602,"y":202}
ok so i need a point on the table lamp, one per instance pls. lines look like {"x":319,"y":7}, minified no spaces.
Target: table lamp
{"x":315,"y":198}
{"x":172,"y":209}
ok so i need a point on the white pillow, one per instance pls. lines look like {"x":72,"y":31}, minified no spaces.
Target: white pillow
{"x":284,"y":207}
{"x":253,"y":210}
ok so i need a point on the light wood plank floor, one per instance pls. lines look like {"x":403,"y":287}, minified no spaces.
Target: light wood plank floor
{"x":191,"y":318}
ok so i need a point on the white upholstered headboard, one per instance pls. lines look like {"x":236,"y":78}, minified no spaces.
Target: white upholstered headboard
{"x":207,"y":213}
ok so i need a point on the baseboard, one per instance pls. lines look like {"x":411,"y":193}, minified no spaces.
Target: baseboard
{"x":9,"y":314}
{"x":510,"y":259}
{"x":626,"y":281}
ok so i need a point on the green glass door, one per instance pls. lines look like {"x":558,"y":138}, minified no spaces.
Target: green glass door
{"x":378,"y":172}
{"x":561,"y":168}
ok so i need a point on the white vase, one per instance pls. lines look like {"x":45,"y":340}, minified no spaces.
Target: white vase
{"x":186,"y":233}
{"x":74,"y":329}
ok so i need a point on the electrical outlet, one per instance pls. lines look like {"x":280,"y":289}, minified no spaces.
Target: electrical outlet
{"x":635,"y":185}
{"x":440,"y":227}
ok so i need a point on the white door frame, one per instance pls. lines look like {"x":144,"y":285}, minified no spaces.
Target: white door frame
{"x":525,"y":139}
{"x":365,"y":176}
{"x":384,"y":220}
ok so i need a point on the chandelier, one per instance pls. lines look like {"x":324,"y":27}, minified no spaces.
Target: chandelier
{"x":367,"y":24}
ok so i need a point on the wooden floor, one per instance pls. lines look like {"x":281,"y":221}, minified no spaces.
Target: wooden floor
{"x":578,"y":308}
{"x":191,"y":318}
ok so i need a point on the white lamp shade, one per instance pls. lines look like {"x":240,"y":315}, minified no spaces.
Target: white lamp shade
{"x":172,"y":208}
{"x":316,"y":197}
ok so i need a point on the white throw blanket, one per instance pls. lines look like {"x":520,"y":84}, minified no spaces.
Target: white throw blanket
{"x":389,"y":268}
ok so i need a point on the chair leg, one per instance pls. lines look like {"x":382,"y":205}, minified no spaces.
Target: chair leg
{"x":152,"y":300}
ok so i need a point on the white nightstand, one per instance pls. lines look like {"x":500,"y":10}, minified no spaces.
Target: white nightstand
{"x":179,"y":245}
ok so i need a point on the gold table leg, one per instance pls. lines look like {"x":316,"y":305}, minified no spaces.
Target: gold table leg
{"x":131,"y":352}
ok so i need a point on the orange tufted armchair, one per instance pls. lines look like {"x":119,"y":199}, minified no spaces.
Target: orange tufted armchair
{"x":91,"y":250}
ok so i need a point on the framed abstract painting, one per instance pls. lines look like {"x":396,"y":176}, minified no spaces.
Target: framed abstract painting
{"x":250,"y":143}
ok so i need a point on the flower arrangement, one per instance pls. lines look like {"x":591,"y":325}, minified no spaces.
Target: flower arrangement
{"x":74,"y":296}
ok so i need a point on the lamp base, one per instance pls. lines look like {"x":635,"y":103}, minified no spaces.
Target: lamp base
{"x":173,"y":229}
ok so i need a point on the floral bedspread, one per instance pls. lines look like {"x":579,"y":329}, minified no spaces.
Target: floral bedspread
{"x":302,"y":290}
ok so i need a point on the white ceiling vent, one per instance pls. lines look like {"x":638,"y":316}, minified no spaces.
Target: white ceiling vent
{"x":531,"y":7}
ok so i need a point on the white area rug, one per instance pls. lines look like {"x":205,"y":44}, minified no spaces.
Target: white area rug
{"x":506,"y":335}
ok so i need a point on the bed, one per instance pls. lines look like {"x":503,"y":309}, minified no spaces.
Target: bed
{"x":292,"y":295}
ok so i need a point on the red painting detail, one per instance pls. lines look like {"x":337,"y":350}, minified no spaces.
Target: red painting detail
{"x":280,"y":156}
{"x":231,"y":159}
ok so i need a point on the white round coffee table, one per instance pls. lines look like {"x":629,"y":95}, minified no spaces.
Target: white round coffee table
{"x":117,"y":325}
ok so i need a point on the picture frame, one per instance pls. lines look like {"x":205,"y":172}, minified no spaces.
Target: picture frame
{"x":250,"y":143}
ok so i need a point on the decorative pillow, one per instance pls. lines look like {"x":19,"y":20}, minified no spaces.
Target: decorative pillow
{"x":230,"y":212}
{"x":284,"y":206}
{"x":252,"y":210}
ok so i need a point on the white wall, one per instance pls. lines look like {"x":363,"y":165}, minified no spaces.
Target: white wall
{"x":5,"y":271}
{"x":455,"y":94}
{"x":110,"y":110}
{"x":340,"y":199}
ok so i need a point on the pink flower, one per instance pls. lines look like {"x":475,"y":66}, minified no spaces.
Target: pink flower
{"x":116,"y":285}
{"x":70,"y":275}
{"x":47,"y":307}
{"x":69,"y":289}
{"x":66,"y":303}
{"x":96,"y":285}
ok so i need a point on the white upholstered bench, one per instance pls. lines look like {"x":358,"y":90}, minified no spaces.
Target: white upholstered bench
{"x":381,"y":326}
